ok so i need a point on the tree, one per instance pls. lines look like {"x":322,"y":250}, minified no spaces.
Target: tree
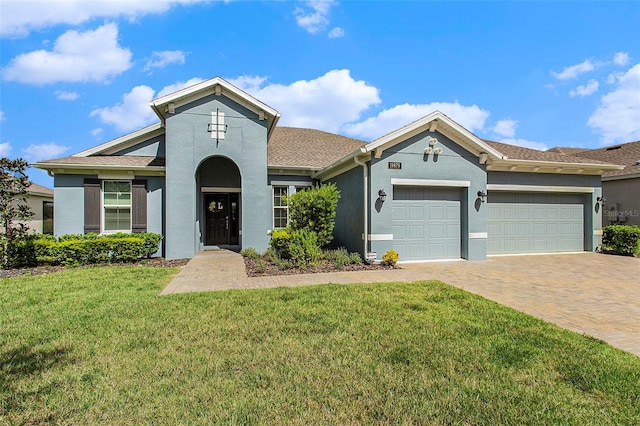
{"x":315,"y":210}
{"x":14,"y":210}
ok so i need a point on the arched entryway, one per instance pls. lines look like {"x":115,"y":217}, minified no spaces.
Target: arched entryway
{"x":219,"y":195}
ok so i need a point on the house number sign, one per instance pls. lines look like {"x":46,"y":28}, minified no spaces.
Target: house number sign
{"x":395,"y":165}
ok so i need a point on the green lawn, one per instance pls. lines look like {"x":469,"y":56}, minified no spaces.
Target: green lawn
{"x":98,"y":346}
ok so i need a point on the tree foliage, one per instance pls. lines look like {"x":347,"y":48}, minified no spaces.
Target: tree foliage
{"x":14,"y":210}
{"x":315,"y":210}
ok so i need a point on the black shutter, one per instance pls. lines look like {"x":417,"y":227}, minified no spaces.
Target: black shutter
{"x":139,"y":206}
{"x":91,"y":205}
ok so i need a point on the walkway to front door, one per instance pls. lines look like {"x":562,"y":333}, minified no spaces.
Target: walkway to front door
{"x":589,"y":293}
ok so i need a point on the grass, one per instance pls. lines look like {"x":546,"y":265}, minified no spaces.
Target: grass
{"x":98,"y":346}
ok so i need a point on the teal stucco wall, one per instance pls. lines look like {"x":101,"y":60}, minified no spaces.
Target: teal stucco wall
{"x":349,"y":225}
{"x":454,"y":163}
{"x":188,"y":145}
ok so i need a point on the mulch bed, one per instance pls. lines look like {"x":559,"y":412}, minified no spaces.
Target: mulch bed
{"x":271,"y":269}
{"x":47,"y":269}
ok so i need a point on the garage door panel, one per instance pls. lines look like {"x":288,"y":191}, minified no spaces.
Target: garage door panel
{"x":535,"y":223}
{"x":430,"y":226}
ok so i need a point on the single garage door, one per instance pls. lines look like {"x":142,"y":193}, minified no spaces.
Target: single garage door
{"x":535,"y":223}
{"x":426,"y":222}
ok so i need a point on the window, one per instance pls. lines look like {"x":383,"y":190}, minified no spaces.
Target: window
{"x":47,"y":217}
{"x":117,"y":206}
{"x":280,"y":209}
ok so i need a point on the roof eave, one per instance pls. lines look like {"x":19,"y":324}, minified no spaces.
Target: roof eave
{"x":138,"y":135}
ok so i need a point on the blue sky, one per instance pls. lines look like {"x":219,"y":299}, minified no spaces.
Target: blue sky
{"x":75,"y":74}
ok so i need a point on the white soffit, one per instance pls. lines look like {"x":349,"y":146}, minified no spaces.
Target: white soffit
{"x":540,"y":188}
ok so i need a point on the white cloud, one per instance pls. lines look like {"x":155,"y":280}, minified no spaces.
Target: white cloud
{"x":526,"y":144}
{"x":178,"y":86}
{"x":621,"y":58}
{"x":325,"y":103}
{"x":250,"y":84}
{"x":506,"y":128}
{"x":97,"y":132}
{"x":2,"y":117}
{"x":130,"y":114}
{"x":315,"y":16}
{"x":617,"y":117}
{"x":66,"y":96}
{"x":19,"y":17}
{"x":574,"y":70}
{"x":614,"y":77}
{"x":43,"y":151}
{"x":75,"y":57}
{"x":336,"y":32}
{"x":586,"y":89}
{"x":165,"y":58}
{"x":471,"y":117}
{"x":5,"y":149}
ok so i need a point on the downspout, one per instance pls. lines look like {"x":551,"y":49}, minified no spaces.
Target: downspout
{"x":365,"y":175}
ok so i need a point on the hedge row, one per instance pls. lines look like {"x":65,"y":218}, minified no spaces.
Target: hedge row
{"x":621,"y":239}
{"x":82,"y":249}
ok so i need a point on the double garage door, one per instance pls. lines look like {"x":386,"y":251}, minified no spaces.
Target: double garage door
{"x":426,"y":222}
{"x":535,"y":222}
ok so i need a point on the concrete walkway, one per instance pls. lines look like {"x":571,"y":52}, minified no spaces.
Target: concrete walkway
{"x":589,"y":293}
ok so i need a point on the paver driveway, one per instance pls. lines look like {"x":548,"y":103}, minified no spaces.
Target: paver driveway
{"x":589,"y":293}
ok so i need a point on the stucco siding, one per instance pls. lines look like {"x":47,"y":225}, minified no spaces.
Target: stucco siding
{"x":154,"y":147}
{"x":35,"y":204}
{"x":623,"y":201}
{"x":453,"y":164}
{"x":349,"y":225}
{"x":68,"y":210}
{"x":245,"y":144}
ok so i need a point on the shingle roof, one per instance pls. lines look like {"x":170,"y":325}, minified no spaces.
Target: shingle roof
{"x":315,"y":149}
{"x":108,"y":160}
{"x":625,"y":154}
{"x":566,"y":150}
{"x":520,"y":153}
{"x":34,"y":188}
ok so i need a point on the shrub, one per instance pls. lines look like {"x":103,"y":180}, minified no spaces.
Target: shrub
{"x":338,"y":257}
{"x":355,"y":259}
{"x":21,"y":252}
{"x":260,"y":266}
{"x":621,"y":239}
{"x":250,"y":252}
{"x":280,"y":242}
{"x":303,"y":248}
{"x":315,"y":210}
{"x":390,"y":257}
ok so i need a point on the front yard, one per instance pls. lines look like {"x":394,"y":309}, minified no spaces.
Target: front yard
{"x":98,"y":346}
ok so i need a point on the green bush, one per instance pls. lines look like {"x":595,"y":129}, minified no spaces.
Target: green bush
{"x":315,"y":210}
{"x":338,"y":257}
{"x":390,"y":257}
{"x":80,"y":249}
{"x":280,"y":242}
{"x":250,"y":252}
{"x":355,"y":259}
{"x":621,"y":239}
{"x":304,"y":249}
{"x":21,"y":252}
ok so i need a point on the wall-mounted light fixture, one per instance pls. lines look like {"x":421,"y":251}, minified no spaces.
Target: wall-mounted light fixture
{"x":601,"y":200}
{"x":382,"y":196}
{"x":437,"y":151}
{"x":483,"y":196}
{"x":428,"y":150}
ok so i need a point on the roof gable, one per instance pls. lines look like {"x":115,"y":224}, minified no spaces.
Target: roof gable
{"x":432,"y":122}
{"x":627,"y":154}
{"x":124,"y":142}
{"x":216,"y":86}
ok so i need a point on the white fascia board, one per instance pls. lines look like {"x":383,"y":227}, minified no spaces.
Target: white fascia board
{"x":97,"y":167}
{"x":540,"y":188}
{"x":534,"y":163}
{"x":421,"y":125}
{"x":344,"y":164}
{"x":621,"y":177}
{"x":203,"y":88}
{"x":124,"y":141}
{"x":431,"y":182}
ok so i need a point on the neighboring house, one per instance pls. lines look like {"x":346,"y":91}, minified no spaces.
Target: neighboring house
{"x":620,"y":188}
{"x":40,"y":200}
{"x":215,"y":169}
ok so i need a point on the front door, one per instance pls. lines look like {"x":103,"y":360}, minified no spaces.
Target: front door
{"x":221,"y":227}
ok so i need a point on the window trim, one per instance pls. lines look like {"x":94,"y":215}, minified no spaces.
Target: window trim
{"x":274,"y":207}
{"x":103,"y":215}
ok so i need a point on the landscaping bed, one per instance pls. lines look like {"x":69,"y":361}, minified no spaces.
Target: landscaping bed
{"x":269,"y":268}
{"x":47,"y":269}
